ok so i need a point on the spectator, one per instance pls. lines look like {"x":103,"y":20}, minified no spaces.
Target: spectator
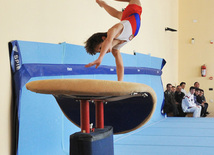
{"x":188,"y":104}
{"x":183,"y":84}
{"x":196,"y":95}
{"x":201,"y":99}
{"x":198,"y":100}
{"x":202,"y":95}
{"x":178,"y":98}
{"x":196,"y":85}
{"x":173,"y":89}
{"x":203,"y":102}
{"x":169,"y":102}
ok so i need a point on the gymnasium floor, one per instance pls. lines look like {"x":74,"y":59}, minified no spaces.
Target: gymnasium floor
{"x":172,"y":136}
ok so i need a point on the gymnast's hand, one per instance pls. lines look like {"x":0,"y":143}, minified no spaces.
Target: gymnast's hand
{"x":96,"y":62}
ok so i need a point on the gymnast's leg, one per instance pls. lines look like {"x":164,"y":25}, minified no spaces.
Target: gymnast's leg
{"x":112,"y":11}
{"x":131,"y":1}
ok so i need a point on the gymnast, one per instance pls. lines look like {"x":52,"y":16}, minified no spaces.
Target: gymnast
{"x":117,"y":36}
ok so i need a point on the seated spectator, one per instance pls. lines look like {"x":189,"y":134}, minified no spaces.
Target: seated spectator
{"x":188,"y":104}
{"x":173,"y":89}
{"x":178,"y":98}
{"x":201,"y":99}
{"x":169,"y":101}
{"x":203,"y":102}
{"x":198,"y":101}
{"x":183,"y":84}
{"x":196,"y":85}
{"x":196,"y":96}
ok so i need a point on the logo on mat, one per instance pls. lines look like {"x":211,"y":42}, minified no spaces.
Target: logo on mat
{"x":16,"y":58}
{"x":15,"y":49}
{"x":69,"y":69}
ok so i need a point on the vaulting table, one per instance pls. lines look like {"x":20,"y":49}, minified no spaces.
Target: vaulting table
{"x":98,"y":92}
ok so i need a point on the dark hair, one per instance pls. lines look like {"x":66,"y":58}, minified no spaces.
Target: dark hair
{"x":196,"y":82}
{"x":191,"y":88}
{"x":182,"y":83}
{"x":168,"y":85}
{"x":197,"y":89}
{"x":93,"y":41}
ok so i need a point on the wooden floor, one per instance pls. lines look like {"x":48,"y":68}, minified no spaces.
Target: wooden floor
{"x":210,"y":115}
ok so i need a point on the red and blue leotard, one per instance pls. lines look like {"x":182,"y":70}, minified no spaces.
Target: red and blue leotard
{"x":131,"y":24}
{"x":132,"y":13}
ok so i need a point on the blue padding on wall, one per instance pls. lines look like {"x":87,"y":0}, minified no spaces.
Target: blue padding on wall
{"x":41,"y":127}
{"x":36,"y":70}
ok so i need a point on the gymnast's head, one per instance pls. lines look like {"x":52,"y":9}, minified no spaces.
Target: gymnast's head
{"x":94,"y":43}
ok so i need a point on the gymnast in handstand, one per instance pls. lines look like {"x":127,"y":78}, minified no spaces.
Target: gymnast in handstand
{"x":117,"y":36}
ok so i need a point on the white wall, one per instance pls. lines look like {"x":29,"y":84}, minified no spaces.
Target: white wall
{"x":73,"y":22}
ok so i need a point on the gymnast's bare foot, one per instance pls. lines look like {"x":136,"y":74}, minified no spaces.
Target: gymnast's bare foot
{"x":100,"y":3}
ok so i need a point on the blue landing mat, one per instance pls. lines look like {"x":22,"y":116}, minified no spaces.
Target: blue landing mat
{"x":172,"y":136}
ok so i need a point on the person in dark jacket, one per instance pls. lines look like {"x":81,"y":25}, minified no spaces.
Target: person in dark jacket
{"x":178,"y":98}
{"x":169,"y":101}
{"x":201,"y":101}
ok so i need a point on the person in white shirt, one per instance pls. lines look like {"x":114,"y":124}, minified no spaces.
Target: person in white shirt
{"x":183,"y":84}
{"x":189,"y":105}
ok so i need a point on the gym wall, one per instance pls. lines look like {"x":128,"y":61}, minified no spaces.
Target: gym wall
{"x":196,"y":23}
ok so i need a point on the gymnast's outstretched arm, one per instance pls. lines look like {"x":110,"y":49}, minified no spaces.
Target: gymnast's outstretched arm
{"x":107,"y":44}
{"x":112,"y":11}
